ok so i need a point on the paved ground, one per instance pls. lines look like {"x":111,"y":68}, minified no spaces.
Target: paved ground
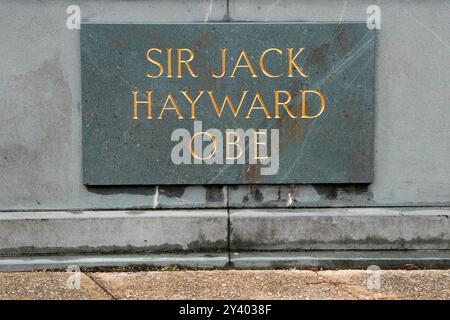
{"x":228,"y":284}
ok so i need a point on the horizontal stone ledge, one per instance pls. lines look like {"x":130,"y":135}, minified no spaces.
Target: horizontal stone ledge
{"x":340,"y":229}
{"x":195,"y":261}
{"x":437,"y":259}
{"x":433,"y":259}
{"x":207,"y":231}
{"x":27,"y":233}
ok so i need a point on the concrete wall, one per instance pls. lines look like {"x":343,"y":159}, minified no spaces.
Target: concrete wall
{"x":40,"y":139}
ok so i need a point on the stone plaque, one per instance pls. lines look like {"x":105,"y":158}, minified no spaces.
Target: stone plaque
{"x":227,"y":103}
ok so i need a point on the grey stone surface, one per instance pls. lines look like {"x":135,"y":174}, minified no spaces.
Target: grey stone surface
{"x":26,"y":233}
{"x":247,"y":260}
{"x":412,"y":143}
{"x":197,"y":261}
{"x":343,"y":259}
{"x":40,"y":126}
{"x":40,"y":123}
{"x":340,"y":229}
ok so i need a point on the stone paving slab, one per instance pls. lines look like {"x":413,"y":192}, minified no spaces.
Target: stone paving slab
{"x":231,"y":284}
{"x":393,"y":284}
{"x":48,"y":285}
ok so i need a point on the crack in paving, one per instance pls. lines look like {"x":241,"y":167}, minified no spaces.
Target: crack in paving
{"x":112,"y":296}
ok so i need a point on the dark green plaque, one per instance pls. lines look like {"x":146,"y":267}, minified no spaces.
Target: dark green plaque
{"x":176,"y":103}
